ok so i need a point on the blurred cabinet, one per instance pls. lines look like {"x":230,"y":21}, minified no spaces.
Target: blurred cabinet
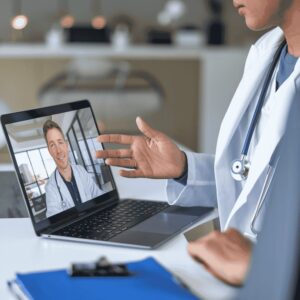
{"x":198,"y":83}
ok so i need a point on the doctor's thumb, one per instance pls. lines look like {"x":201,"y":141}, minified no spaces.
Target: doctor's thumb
{"x":145,"y":128}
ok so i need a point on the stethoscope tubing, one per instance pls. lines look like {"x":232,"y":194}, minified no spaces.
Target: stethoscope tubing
{"x":265,"y":188}
{"x":243,"y":164}
{"x":262,"y":197}
{"x":261,"y":101}
{"x":63,"y":202}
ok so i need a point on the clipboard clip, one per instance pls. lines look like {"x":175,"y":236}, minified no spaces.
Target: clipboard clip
{"x":101,"y":268}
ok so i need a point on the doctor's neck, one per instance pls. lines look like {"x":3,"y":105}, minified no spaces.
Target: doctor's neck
{"x":291,"y":28}
{"x":66,"y":172}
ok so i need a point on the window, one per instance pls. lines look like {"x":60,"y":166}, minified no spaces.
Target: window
{"x":36,"y":166}
{"x":48,"y":161}
{"x":83,"y":148}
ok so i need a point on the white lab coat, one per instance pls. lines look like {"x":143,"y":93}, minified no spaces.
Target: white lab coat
{"x":274,"y":268}
{"x":209,"y":180}
{"x":86,"y":186}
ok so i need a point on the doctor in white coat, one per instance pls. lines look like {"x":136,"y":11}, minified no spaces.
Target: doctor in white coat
{"x":68,"y":185}
{"x":203,"y":179}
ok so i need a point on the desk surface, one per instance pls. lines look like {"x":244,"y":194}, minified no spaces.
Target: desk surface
{"x":22,"y":251}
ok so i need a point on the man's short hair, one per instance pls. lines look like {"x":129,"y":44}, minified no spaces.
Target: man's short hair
{"x":49,"y":124}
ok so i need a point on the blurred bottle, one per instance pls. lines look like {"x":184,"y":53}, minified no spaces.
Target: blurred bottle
{"x":216,"y":26}
{"x":55,"y":37}
{"x":121,"y":36}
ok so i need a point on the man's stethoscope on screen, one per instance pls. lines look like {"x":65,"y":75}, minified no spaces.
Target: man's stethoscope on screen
{"x":240,"y":167}
{"x":63,"y":202}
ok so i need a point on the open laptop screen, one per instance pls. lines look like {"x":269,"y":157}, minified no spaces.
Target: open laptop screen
{"x":55,"y":160}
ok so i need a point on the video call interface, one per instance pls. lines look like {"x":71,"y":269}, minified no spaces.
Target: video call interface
{"x":57,"y":163}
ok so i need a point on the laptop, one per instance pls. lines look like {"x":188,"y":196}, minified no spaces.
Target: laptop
{"x":70,"y":194}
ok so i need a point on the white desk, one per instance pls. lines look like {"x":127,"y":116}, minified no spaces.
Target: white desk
{"x":22,"y":251}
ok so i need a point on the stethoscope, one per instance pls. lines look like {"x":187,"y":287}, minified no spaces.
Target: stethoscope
{"x":240,"y":167}
{"x":265,"y":188}
{"x":63,"y":202}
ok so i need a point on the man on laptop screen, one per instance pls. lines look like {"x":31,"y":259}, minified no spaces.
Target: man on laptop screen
{"x":56,"y":160}
{"x":68,"y":185}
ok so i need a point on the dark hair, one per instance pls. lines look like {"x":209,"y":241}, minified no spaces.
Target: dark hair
{"x":49,"y":124}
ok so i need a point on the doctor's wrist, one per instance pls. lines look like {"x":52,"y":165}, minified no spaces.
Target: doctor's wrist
{"x":184,"y":172}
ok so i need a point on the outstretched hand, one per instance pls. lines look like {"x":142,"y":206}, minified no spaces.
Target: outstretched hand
{"x":151,"y":155}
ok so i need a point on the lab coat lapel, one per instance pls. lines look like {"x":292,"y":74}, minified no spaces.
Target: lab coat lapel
{"x":227,"y":149}
{"x":259,"y":61}
{"x":271,"y":136}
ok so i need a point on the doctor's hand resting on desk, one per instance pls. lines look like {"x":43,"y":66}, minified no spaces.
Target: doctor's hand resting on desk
{"x":224,"y":254}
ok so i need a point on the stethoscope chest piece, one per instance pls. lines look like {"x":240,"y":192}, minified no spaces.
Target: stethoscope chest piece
{"x":240,"y":169}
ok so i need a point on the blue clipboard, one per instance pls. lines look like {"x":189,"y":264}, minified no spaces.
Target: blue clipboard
{"x":149,"y":281}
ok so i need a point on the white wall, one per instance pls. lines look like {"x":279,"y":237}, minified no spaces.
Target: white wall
{"x":222,"y":72}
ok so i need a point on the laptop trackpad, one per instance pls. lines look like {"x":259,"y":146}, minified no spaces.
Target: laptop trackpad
{"x":164,"y":223}
{"x":154,"y":230}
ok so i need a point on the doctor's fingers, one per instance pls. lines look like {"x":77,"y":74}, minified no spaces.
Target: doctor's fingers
{"x":122,"y":162}
{"x":209,"y":259}
{"x":206,"y":248}
{"x":194,"y":250}
{"x":132,"y":174}
{"x":197,"y":250}
{"x":125,"y":153}
{"x":116,"y":138}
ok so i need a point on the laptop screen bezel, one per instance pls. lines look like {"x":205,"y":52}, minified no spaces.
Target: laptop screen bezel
{"x":75,"y":212}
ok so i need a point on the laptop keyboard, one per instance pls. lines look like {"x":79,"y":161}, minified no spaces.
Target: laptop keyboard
{"x":105,"y":224}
